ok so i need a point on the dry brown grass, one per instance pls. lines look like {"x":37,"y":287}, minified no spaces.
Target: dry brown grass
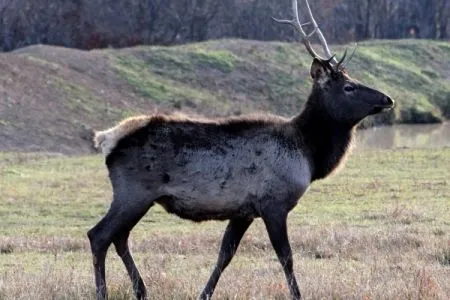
{"x":331,"y":262}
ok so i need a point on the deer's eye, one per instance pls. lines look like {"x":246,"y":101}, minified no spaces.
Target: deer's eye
{"x":349,"y":88}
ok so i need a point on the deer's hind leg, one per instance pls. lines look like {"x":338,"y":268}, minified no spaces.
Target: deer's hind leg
{"x":276,"y":226}
{"x":115,"y":228}
{"x":122,"y":249}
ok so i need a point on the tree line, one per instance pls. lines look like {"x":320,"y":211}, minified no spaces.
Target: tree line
{"x":88,"y":24}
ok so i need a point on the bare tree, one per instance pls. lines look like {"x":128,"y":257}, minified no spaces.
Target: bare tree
{"x":119,"y":23}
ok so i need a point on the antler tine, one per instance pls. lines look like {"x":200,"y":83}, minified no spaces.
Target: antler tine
{"x":317,"y":30}
{"x":290,"y":22}
{"x":339,"y":63}
{"x":344,"y":64}
{"x":298,"y":26}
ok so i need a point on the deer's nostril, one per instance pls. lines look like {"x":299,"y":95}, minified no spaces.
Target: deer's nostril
{"x":388,"y":100}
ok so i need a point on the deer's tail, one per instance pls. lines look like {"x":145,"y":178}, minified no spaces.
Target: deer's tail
{"x":107,"y":139}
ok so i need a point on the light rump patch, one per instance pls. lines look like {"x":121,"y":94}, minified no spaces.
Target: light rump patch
{"x":108,"y":139}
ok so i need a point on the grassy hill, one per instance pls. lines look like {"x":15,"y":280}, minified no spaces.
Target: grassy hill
{"x":51,"y":98}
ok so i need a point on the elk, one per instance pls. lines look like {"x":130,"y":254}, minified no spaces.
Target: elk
{"x":236,"y":169}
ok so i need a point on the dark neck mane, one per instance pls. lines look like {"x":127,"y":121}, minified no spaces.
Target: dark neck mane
{"x":324,"y":140}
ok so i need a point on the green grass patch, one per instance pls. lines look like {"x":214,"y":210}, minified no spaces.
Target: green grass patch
{"x":223,"y":61}
{"x":163,"y":90}
{"x":230,"y":76}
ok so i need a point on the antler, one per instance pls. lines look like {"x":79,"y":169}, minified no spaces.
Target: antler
{"x":344,"y":63}
{"x":295,"y":22}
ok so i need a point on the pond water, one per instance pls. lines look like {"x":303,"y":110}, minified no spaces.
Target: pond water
{"x":404,"y":136}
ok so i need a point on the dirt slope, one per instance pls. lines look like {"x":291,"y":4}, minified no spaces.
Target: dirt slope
{"x":51,"y":97}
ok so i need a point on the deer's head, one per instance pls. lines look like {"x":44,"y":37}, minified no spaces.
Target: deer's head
{"x":334,"y":92}
{"x":342,"y":98}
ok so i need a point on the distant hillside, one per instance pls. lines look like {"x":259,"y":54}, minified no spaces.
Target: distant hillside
{"x":51,"y":98}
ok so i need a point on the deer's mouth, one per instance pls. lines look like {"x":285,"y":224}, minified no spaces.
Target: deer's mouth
{"x":381,"y":108}
{"x":387,"y":105}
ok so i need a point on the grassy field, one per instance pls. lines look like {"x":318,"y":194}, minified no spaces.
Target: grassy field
{"x":379,"y":229}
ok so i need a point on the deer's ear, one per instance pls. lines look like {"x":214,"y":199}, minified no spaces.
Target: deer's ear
{"x":318,"y":70}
